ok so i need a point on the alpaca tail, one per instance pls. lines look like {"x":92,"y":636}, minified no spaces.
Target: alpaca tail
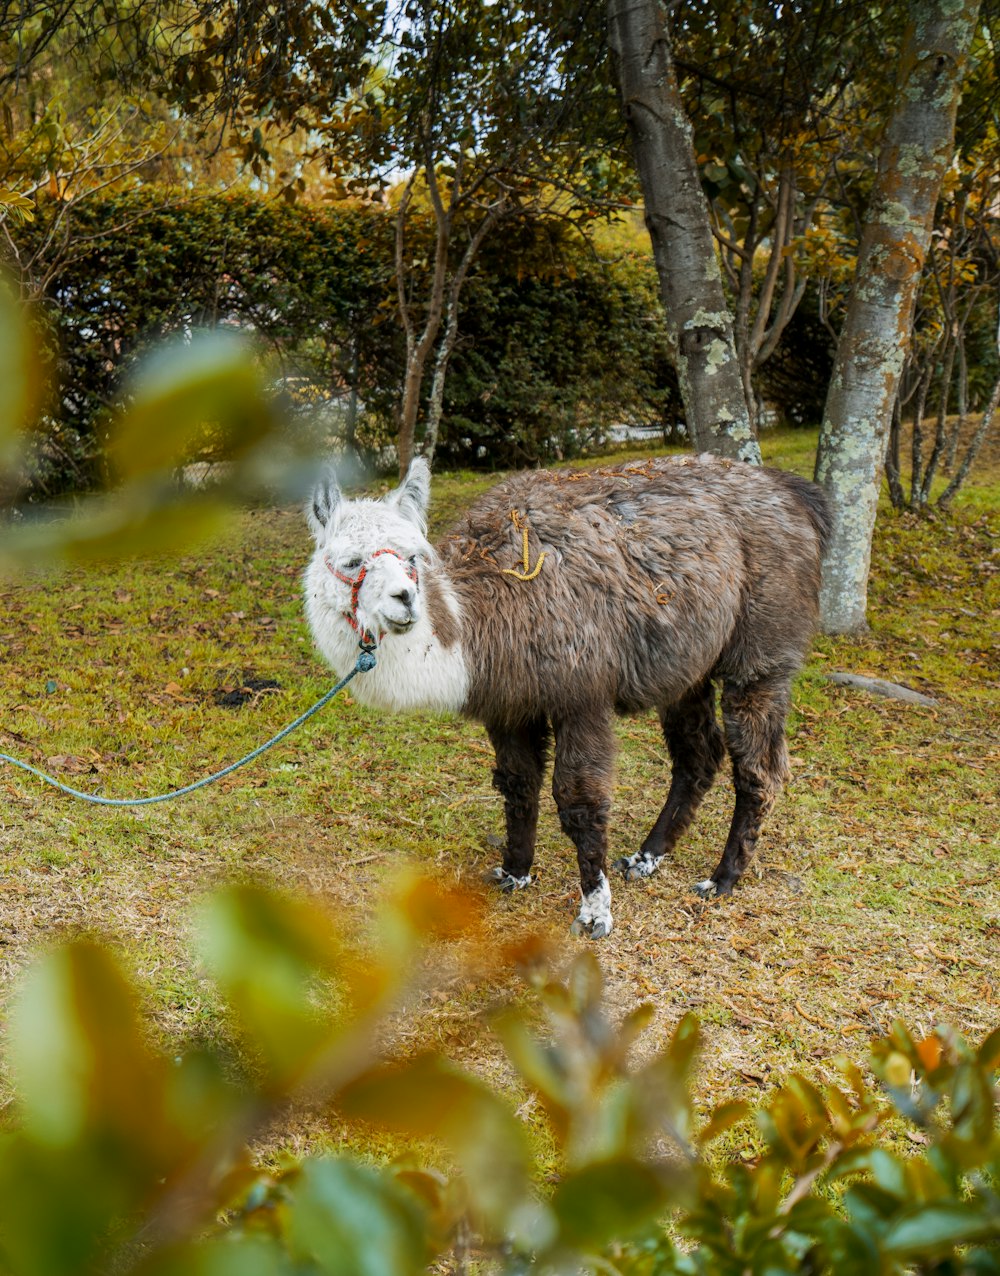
{"x":814,"y":502}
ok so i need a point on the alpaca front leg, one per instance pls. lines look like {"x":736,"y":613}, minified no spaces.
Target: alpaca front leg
{"x":587,"y":825}
{"x":581,"y":786}
{"x":521,"y":755}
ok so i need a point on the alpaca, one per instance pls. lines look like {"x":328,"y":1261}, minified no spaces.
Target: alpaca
{"x":561,"y":597}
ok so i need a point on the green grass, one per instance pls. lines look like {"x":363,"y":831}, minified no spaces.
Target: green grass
{"x":873,"y":896}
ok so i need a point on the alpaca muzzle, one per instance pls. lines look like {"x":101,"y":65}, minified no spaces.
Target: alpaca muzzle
{"x":365,"y":636}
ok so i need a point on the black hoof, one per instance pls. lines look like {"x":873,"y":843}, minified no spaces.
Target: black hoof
{"x":600,"y":931}
{"x":579,"y":927}
{"x":623,"y":865}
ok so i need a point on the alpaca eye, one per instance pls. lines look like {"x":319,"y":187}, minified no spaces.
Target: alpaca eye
{"x":352,"y":564}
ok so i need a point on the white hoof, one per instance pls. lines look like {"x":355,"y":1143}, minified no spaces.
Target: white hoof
{"x":594,"y":917}
{"x":506,"y":881}
{"x":635,"y":867}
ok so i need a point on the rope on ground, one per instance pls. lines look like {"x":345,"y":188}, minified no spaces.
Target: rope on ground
{"x":365,"y":662}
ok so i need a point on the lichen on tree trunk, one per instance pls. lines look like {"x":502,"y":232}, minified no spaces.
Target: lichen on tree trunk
{"x":699,"y":324}
{"x":916,"y":151}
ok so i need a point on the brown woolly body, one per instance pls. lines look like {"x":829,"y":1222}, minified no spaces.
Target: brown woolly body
{"x":657,"y":576}
{"x":659,"y":579}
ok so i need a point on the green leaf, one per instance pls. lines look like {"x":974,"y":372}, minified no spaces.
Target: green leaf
{"x":635,"y":1023}
{"x":270,"y":954}
{"x":354,"y":1221}
{"x":21,"y":206}
{"x":973,"y":1105}
{"x":38,"y":1240}
{"x":660,"y":1090}
{"x":538,"y":1065}
{"x":610,"y":1200}
{"x":887,"y":1171}
{"x":233,"y":1253}
{"x":934,"y":1228}
{"x":723,"y":1118}
{"x":143,"y":521}
{"x":97,"y":1136}
{"x":849,"y":1247}
{"x":585,"y":983}
{"x":429,"y":1098}
{"x":180,"y":392}
{"x":79,"y":1054}
{"x":988,"y":1054}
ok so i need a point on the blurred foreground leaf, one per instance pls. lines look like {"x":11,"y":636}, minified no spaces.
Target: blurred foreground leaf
{"x":430,"y":1099}
{"x":106,"y":1123}
{"x":209,"y":391}
{"x":20,"y":379}
{"x":183,"y":390}
{"x":124,"y":1160}
{"x":271,"y":955}
{"x":78,"y":1051}
{"x":610,"y":1200}
{"x":350,"y":1220}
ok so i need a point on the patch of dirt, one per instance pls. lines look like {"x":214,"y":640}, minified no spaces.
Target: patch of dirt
{"x":250,"y":690}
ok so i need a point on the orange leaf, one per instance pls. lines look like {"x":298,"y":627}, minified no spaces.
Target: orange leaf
{"x":929,"y":1051}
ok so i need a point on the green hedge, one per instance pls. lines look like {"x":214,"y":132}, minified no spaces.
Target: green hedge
{"x":555,"y":344}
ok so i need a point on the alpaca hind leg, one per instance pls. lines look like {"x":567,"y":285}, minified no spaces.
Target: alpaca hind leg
{"x":754,"y":719}
{"x":696,"y":750}
{"x":581,"y":786}
{"x":520,"y":766}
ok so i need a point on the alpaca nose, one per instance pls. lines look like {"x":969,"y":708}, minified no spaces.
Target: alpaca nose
{"x":404,"y":596}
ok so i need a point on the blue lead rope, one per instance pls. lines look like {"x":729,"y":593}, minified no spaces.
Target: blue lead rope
{"x":365,"y":662}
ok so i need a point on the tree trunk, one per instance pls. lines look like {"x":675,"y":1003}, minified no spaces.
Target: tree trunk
{"x":948,"y":495}
{"x":963,"y":404}
{"x":940,"y":431}
{"x":699,"y":325}
{"x":896,"y":493}
{"x":446,"y":346}
{"x":418,"y":347}
{"x":351,"y":422}
{"x":915,"y":154}
{"x":978,"y":439}
{"x":917,"y":437}
{"x":435,"y":398}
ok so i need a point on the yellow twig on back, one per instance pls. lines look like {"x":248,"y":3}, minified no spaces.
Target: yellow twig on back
{"x":526,"y":574}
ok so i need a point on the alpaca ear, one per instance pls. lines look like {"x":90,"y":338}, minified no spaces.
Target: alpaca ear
{"x":324,"y":500}
{"x":413,"y":494}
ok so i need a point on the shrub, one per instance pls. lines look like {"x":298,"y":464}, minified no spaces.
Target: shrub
{"x":556,"y":345}
{"x":126,"y":1158}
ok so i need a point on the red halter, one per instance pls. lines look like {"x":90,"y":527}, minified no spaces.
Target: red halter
{"x":367,"y":639}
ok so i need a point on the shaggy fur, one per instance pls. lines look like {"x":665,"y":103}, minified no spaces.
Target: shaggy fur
{"x":660,"y":579}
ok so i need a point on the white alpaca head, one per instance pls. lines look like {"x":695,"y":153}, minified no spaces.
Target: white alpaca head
{"x":371,"y":552}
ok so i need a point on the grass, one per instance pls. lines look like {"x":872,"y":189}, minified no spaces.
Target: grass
{"x":874,"y":894}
